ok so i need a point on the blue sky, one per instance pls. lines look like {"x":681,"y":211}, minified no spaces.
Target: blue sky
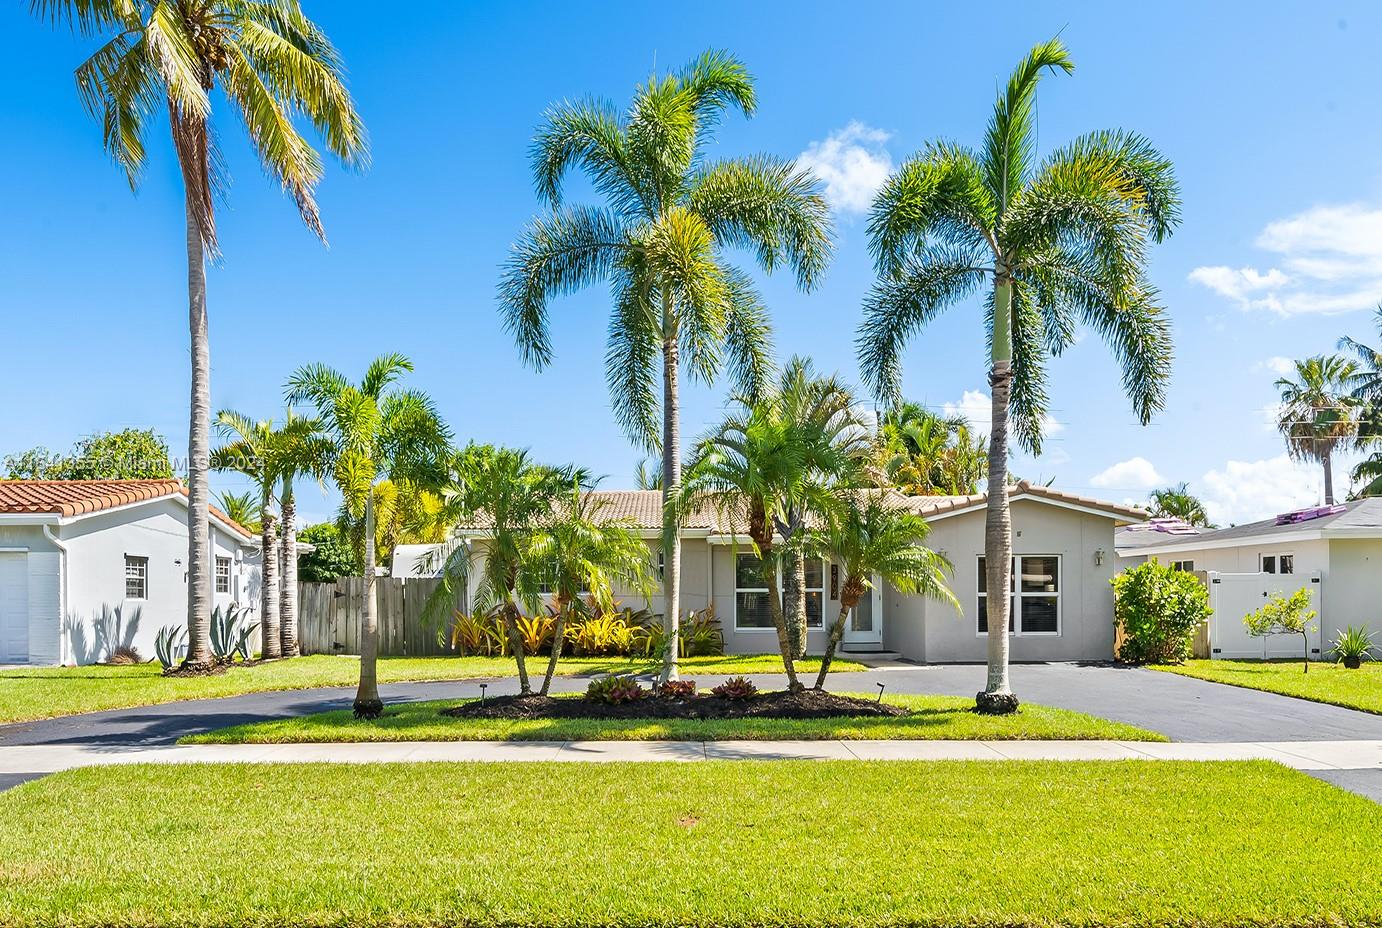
{"x":1267,"y":110}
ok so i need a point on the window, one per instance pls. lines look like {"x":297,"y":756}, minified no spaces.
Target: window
{"x":1278,"y":563}
{"x":222,"y":575}
{"x":815,"y":589}
{"x":1036,"y":595}
{"x":750,"y":594}
{"x":1187,"y":566}
{"x":136,"y":577}
{"x":661,"y":566}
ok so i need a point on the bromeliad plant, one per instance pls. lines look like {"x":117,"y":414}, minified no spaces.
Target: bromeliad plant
{"x":1050,"y":245}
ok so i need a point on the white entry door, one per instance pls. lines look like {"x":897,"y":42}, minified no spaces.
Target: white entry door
{"x":14,"y":607}
{"x":865,"y":623}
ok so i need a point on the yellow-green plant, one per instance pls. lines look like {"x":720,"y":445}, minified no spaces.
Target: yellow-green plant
{"x":1284,"y":615}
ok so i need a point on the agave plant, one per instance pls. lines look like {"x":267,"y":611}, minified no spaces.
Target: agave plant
{"x":228,"y":636}
{"x":171,"y":641}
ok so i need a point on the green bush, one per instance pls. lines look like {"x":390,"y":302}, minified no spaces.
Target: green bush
{"x":1158,"y":610}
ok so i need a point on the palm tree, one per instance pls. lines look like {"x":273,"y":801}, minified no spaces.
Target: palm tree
{"x":272,"y":63}
{"x":648,"y":476}
{"x":660,"y":244}
{"x":376,"y":430}
{"x":1178,"y":502}
{"x":242,"y":508}
{"x":1062,"y":242}
{"x":252,"y":449}
{"x":1318,"y":413}
{"x":923,"y":454}
{"x":503,"y":491}
{"x":867,"y":537}
{"x":1366,"y":388}
{"x":580,"y":557}
{"x":302,"y":451}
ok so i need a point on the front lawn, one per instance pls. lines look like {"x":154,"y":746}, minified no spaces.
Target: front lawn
{"x":720,"y":844}
{"x":935,"y":717}
{"x":29,"y":693}
{"x":1332,"y":683}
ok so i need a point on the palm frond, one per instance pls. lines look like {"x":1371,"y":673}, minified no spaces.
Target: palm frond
{"x":588,"y":134}
{"x":748,"y":344}
{"x":1010,"y":143}
{"x":938,"y":197}
{"x":632,"y":354}
{"x":117,"y":86}
{"x":716,"y":81}
{"x":1147,"y":177}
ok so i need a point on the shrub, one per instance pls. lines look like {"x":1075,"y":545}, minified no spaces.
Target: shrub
{"x":614,"y":689}
{"x":1158,"y":610}
{"x":535,"y":632}
{"x":1352,"y":646}
{"x":605,"y":635}
{"x":1284,"y":615}
{"x":699,"y":635}
{"x":126,"y":654}
{"x":677,"y":689}
{"x":736,"y":688}
{"x":479,"y":635}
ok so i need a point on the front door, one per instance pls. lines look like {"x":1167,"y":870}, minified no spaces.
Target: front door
{"x":865,"y":624}
{"x":14,"y":607}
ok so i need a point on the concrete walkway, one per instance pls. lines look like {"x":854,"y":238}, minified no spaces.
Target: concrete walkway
{"x":1308,"y":756}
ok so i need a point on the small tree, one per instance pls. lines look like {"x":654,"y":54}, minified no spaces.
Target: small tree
{"x":1158,"y":609}
{"x":1284,"y":615}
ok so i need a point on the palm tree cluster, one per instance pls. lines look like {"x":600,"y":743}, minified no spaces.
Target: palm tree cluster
{"x":1178,"y":502}
{"x":925,"y":454}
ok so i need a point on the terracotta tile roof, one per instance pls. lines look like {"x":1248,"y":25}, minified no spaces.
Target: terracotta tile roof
{"x":79,"y":497}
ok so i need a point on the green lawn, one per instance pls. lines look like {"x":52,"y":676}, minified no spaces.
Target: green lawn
{"x":720,"y":844}
{"x":1331,"y":683}
{"x":937,"y":717}
{"x":45,"y":692}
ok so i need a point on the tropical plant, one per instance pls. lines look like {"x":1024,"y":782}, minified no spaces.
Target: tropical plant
{"x":1178,"y":502}
{"x":648,"y":475}
{"x":535,"y":633}
{"x":869,"y":538}
{"x":1365,"y":388}
{"x":677,"y":689}
{"x":923,"y":454}
{"x":241,"y":508}
{"x":606,"y":634}
{"x":377,"y":431}
{"x":1284,"y":615}
{"x":229,"y":636}
{"x":1318,"y":414}
{"x":735,"y":688}
{"x":168,"y":644}
{"x":698,"y":635}
{"x":661,"y":243}
{"x":331,"y":557}
{"x":301,"y":451}
{"x":478,"y":634}
{"x":580,"y":556}
{"x":615,"y":689}
{"x":1062,"y":243}
{"x":273,"y":63}
{"x":129,"y":454}
{"x":1352,"y":646}
{"x":1158,"y":609}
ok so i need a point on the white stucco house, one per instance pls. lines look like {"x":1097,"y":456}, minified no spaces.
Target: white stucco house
{"x":89,"y":565}
{"x":1063,"y":608}
{"x":1336,"y":551}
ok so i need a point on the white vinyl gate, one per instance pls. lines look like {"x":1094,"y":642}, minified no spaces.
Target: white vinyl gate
{"x":14,"y":607}
{"x":1233,"y":596}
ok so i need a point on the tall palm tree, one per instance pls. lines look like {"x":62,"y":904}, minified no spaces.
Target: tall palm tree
{"x":1059,"y":243}
{"x":1318,"y":412}
{"x":660,"y":243}
{"x":252,"y":449}
{"x":924,"y":454}
{"x":273,"y":63}
{"x":377,"y":431}
{"x":1366,"y":388}
{"x":303,"y":451}
{"x":579,"y":556}
{"x":1178,"y":502}
{"x":508,"y":495}
{"x":867,"y":537}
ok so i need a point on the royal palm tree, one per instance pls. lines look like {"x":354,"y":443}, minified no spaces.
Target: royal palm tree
{"x":272,"y":63}
{"x":1178,"y":502}
{"x":1058,"y":243}
{"x":252,"y":450}
{"x":377,"y":431}
{"x":866,"y":537}
{"x":1318,"y":412}
{"x":923,"y":454}
{"x":580,"y":556}
{"x":303,"y":452}
{"x":660,"y":243}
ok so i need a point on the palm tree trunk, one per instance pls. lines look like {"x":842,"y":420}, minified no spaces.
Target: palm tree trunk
{"x":1328,"y":461}
{"x":784,"y":643}
{"x":268,"y":584}
{"x":997,"y":696}
{"x":368,"y":705}
{"x":199,"y":573}
{"x":510,"y":612}
{"x":837,"y":632}
{"x":558,"y":637}
{"x":671,"y":486}
{"x":288,"y":603}
{"x":794,"y":601}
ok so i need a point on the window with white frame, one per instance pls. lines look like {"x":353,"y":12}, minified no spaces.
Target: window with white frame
{"x":222,"y":575}
{"x":661,"y":565}
{"x":1035,"y":602}
{"x":1186,"y":566}
{"x":1278,"y":563}
{"x":136,"y":577}
{"x":815,"y":591}
{"x":750,"y":594}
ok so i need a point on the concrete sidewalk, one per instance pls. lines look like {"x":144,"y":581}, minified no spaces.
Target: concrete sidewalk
{"x":34,"y":760}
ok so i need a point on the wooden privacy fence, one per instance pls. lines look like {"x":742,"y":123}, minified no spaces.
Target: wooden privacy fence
{"x":329,"y":617}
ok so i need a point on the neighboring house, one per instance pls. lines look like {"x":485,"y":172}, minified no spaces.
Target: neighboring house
{"x":1336,"y":550}
{"x":1063,"y":609}
{"x":414,"y":561}
{"x":90,"y":565}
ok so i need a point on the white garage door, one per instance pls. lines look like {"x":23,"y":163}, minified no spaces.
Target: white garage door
{"x":14,"y":607}
{"x":1233,"y":596}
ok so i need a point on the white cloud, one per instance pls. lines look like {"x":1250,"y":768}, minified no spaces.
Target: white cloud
{"x":1132,"y":474}
{"x":852,"y":163}
{"x":1332,"y":261}
{"x":1282,"y":367}
{"x":1246,"y":491}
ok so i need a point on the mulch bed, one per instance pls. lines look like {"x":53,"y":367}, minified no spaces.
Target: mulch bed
{"x":805,"y":704}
